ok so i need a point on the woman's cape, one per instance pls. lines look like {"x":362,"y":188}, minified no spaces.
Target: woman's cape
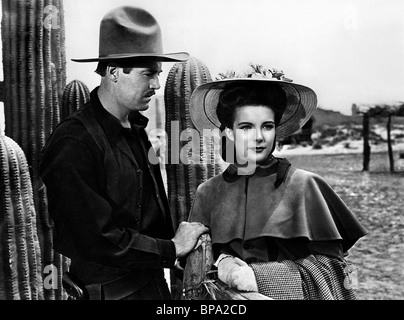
{"x":249,"y":207}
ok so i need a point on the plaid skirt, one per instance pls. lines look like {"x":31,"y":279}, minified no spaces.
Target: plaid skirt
{"x":316,"y":277}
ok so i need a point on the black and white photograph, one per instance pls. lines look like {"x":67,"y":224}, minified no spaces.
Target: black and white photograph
{"x":202,"y":151}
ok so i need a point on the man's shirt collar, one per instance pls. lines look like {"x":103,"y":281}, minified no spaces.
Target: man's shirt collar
{"x":111,"y":124}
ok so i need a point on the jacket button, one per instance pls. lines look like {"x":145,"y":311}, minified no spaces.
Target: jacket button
{"x":138,"y":172}
{"x":140,"y":189}
{"x":137,"y":221}
{"x":138,"y":204}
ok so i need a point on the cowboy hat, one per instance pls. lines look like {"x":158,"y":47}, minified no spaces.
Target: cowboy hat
{"x":130,"y":32}
{"x":301,"y":102}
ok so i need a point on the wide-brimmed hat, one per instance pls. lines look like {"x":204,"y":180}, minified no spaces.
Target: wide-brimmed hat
{"x":130,"y":32}
{"x":301,"y":102}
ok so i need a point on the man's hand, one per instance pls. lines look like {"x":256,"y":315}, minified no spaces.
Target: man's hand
{"x":237,"y":274}
{"x":187,"y":236}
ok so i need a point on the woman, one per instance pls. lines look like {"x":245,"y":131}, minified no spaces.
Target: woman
{"x":275,"y":229}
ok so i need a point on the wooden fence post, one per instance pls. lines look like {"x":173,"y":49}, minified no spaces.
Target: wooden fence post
{"x":390,"y":148}
{"x":366,"y":145}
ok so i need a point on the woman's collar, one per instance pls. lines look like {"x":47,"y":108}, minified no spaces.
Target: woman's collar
{"x":234,"y":171}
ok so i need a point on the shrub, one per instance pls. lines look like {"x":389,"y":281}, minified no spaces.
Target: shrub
{"x":317,"y":146}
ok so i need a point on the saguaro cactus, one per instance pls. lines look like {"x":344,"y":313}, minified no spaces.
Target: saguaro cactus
{"x":189,"y":162}
{"x":34,"y":79}
{"x":20,"y":253}
{"x":75,"y":95}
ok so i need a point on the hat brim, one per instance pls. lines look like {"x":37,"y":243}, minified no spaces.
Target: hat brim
{"x":301,"y":103}
{"x":167,"y":57}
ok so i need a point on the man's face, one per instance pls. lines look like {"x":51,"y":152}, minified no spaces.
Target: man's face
{"x":135,"y":89}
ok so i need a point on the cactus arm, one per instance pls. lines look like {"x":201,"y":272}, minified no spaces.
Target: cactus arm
{"x":84,"y":95}
{"x":172,"y":140}
{"x":20,"y":246}
{"x":5,"y":208}
{"x":189,"y":176}
{"x":20,"y":232}
{"x":55,"y":99}
{"x":8,"y":238}
{"x":33,"y":247}
{"x":75,"y":95}
{"x":179,"y":169}
{"x":200,"y":74}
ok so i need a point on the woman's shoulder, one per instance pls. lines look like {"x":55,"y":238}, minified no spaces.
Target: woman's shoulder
{"x":303,"y":175}
{"x":212,"y":182}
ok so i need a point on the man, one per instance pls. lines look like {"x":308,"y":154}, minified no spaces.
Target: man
{"x":106,"y":199}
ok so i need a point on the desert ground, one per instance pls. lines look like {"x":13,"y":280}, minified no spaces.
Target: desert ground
{"x":377,"y":199}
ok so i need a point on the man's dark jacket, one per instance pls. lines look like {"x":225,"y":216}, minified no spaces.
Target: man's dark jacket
{"x":106,"y":199}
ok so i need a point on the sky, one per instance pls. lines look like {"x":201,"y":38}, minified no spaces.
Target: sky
{"x":347,"y":51}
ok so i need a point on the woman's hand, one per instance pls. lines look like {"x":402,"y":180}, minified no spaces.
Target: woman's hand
{"x":243,"y":278}
{"x":236,"y":273}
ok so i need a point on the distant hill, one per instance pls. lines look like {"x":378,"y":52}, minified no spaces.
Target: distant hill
{"x":333,"y":118}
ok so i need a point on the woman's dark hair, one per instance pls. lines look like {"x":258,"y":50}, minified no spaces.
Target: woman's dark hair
{"x":235,"y":97}
{"x":238,"y":96}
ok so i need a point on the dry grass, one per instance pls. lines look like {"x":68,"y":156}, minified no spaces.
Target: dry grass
{"x":377,"y":199}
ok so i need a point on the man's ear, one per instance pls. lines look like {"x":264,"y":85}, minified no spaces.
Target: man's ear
{"x":112,"y":73}
{"x":229,"y":133}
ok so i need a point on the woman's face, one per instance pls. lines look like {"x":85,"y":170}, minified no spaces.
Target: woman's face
{"x":253,"y":133}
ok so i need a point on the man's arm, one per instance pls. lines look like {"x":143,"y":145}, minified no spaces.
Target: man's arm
{"x":80,"y":210}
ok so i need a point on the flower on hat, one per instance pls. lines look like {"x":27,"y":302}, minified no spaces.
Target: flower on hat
{"x":255,"y":71}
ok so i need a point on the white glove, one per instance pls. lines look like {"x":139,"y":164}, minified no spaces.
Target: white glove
{"x":236,"y":273}
{"x":243,"y":278}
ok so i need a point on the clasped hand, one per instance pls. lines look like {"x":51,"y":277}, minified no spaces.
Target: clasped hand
{"x":236,"y":273}
{"x":187,"y":237}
